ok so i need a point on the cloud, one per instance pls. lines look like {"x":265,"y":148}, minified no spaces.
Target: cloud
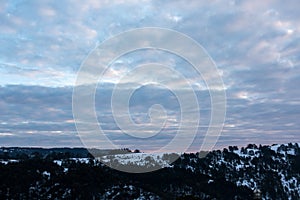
{"x":254,"y":44}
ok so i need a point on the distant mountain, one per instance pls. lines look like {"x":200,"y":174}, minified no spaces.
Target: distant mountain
{"x":252,"y":172}
{"x":55,"y":153}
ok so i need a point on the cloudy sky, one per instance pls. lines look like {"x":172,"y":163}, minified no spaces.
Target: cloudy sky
{"x":254,"y":44}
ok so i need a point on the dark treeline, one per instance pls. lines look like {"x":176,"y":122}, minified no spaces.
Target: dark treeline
{"x":57,"y":153}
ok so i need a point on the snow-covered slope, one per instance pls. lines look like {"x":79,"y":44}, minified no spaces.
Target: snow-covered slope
{"x":273,"y":169}
{"x":139,"y":159}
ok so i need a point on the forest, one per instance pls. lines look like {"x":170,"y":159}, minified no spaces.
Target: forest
{"x":233,"y":173}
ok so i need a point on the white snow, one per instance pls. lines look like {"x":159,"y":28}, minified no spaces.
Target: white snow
{"x":46,"y":173}
{"x":81,"y":160}
{"x":239,"y":166}
{"x":291,"y":184}
{"x":8,"y":161}
{"x":256,"y":153}
{"x":210,"y":181}
{"x":291,"y":152}
{"x":275,"y":147}
{"x":58,"y":162}
{"x":249,"y":183}
{"x":140,"y":159}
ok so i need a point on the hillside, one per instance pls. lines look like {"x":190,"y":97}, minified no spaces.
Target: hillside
{"x":265,"y":172}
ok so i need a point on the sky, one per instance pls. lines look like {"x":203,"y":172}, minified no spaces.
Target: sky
{"x":254,"y":44}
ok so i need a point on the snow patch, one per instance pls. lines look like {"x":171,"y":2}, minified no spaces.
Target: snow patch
{"x":140,"y":159}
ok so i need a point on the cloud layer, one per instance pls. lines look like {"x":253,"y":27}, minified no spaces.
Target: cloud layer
{"x":255,"y":45}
